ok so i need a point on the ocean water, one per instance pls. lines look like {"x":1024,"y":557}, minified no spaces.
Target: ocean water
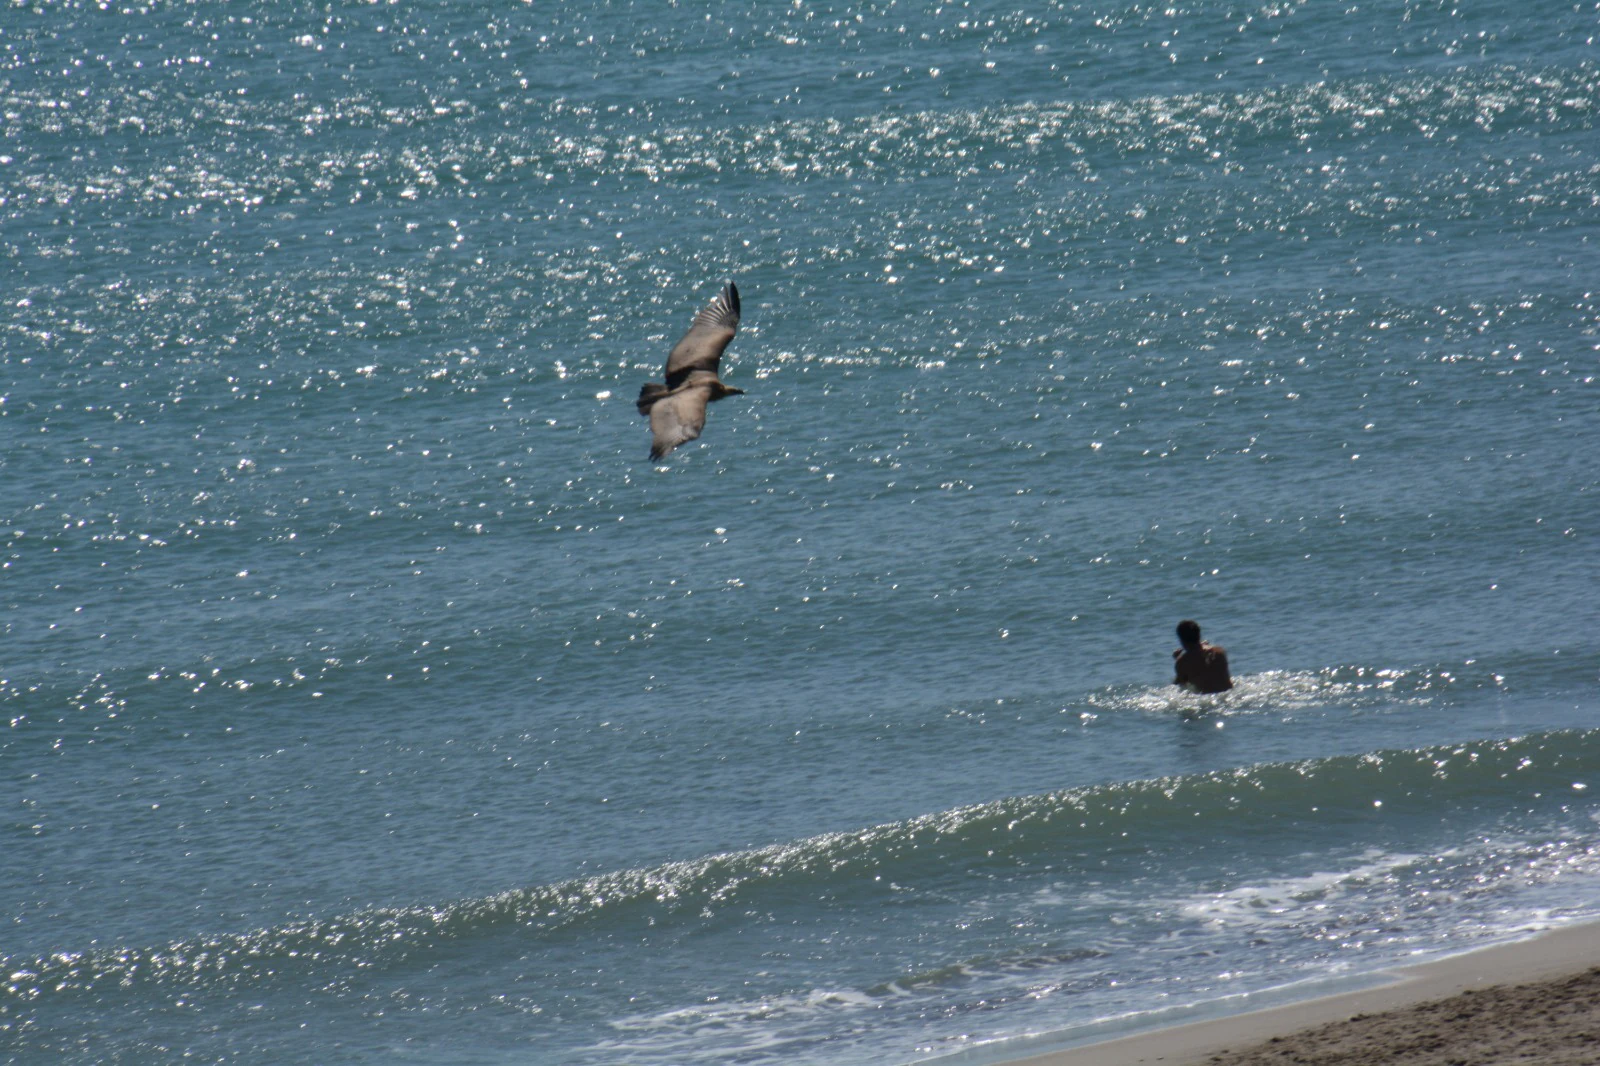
{"x":368,"y":696}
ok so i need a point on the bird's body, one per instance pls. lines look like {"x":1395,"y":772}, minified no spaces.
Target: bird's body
{"x":677,"y":409}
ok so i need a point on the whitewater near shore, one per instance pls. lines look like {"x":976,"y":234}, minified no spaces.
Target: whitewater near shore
{"x":1534,"y":1000}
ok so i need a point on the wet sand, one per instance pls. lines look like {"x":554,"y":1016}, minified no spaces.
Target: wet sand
{"x":1534,"y":1002}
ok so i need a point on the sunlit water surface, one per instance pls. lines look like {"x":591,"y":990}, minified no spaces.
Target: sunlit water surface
{"x":369,"y":696}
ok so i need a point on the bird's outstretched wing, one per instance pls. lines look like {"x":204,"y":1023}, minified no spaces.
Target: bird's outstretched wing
{"x":701,"y":347}
{"x":677,"y":418}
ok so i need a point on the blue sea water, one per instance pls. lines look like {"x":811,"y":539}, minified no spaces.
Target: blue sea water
{"x":367,"y":695}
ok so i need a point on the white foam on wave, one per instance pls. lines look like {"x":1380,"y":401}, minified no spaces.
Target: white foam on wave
{"x":736,"y":1028}
{"x":1279,"y":899}
{"x":1472,"y":894}
{"x":1282,"y":691}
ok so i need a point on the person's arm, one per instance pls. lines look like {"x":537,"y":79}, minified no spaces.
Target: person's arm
{"x":1222,"y":667}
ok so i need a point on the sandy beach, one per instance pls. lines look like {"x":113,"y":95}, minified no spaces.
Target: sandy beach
{"x":1534,"y":1001}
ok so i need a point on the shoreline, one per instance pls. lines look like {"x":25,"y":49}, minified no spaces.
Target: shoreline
{"x":1552,"y":960}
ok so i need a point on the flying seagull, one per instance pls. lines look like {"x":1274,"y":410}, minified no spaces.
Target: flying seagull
{"x":677,"y":409}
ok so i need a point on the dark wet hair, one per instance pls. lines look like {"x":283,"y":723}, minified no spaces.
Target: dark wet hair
{"x":1189,"y":631}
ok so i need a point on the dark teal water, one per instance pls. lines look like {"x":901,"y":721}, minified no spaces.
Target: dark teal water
{"x":367,"y":695}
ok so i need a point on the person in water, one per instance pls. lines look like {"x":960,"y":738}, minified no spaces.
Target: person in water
{"x":1200,"y":667}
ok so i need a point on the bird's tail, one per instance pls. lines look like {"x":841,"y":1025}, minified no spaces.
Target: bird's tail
{"x":649,"y":395}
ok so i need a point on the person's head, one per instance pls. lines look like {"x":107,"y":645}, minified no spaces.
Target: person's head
{"x":1189,"y":633}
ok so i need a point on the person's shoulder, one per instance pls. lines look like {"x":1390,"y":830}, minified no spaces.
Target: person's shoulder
{"x":1177,"y":653}
{"x":1217,"y":649}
